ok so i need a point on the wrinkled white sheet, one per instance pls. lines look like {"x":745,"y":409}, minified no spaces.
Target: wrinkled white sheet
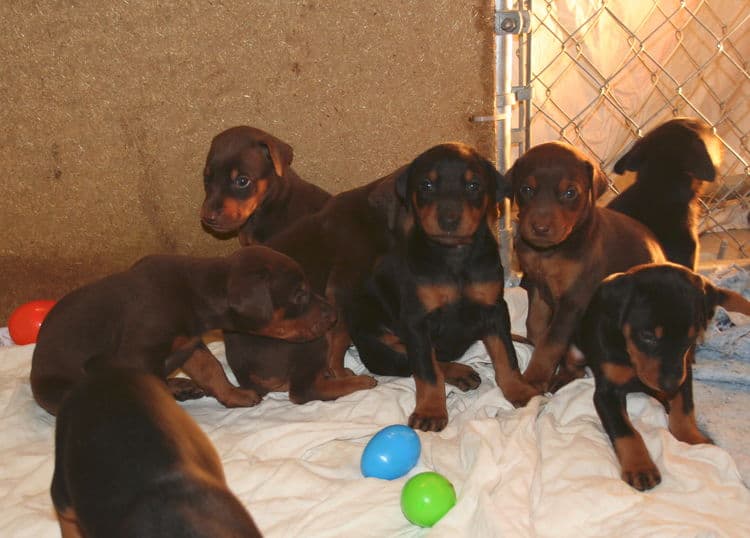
{"x":545,"y":470}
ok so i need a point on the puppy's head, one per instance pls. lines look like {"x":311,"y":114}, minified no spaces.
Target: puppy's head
{"x":242,"y":169}
{"x":451,"y":191}
{"x":555,"y":186}
{"x":677,"y":149}
{"x":269,"y":295}
{"x":661,"y":310}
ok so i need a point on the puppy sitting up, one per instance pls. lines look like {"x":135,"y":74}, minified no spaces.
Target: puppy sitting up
{"x":441,"y":288}
{"x":672,"y":162}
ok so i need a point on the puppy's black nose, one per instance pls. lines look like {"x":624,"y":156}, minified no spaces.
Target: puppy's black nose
{"x":209,"y":217}
{"x":540,"y":228}
{"x":448,"y":220}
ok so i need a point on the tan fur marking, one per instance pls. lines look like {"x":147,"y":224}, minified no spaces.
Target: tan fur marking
{"x":430,"y":398}
{"x":683,"y":425}
{"x":617,"y":374}
{"x":436,"y":295}
{"x":659,"y":331}
{"x":433,"y":175}
{"x":633,"y":454}
{"x":468,"y":175}
{"x":485,"y":292}
{"x":393,"y":342}
{"x":68,"y":520}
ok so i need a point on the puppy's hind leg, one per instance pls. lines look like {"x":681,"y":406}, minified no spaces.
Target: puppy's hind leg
{"x":206,"y":371}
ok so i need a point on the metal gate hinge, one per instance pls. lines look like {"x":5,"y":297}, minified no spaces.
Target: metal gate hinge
{"x":523,"y":93}
{"x":516,"y":21}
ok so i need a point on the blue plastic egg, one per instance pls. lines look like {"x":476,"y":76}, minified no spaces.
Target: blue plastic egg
{"x":391,"y":453}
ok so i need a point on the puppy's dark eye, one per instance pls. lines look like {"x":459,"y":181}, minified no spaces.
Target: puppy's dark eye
{"x":570,"y":194}
{"x":527,"y":191}
{"x":301,"y":297}
{"x":648,"y":337}
{"x":242,"y":182}
{"x":472,"y":186}
{"x":426,"y":185}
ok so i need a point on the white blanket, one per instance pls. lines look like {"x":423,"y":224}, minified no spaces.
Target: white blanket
{"x":545,"y":470}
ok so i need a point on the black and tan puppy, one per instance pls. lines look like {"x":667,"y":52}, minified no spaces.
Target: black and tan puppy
{"x":151,"y":317}
{"x":251,"y":189}
{"x":671,"y":162}
{"x":566,"y":245}
{"x":441,"y":288}
{"x":637,"y":335}
{"x":130,"y":462}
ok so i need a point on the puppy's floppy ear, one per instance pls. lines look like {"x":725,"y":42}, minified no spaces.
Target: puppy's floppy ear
{"x":384,"y":199}
{"x":402,"y":183}
{"x":614,"y":296}
{"x":503,"y":186}
{"x":698,"y":159}
{"x":631,"y":160}
{"x":249,"y":296}
{"x":280,"y":153}
{"x":599,"y":183}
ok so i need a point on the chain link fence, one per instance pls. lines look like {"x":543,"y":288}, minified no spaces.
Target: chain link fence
{"x":600,"y":74}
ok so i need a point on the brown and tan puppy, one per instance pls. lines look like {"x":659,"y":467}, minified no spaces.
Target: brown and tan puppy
{"x":251,"y":189}
{"x":337,"y":247}
{"x":672,"y":163}
{"x":638,"y":335}
{"x":151,"y":318}
{"x":566,"y":245}
{"x":130,"y":462}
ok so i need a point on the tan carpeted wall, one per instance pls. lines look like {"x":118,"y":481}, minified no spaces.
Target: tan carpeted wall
{"x":108,"y":109}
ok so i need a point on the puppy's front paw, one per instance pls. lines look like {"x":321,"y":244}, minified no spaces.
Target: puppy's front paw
{"x":184,"y":389}
{"x":240,"y":398}
{"x":538,"y":377}
{"x":427,"y":423}
{"x":518,"y":392}
{"x":691,"y":435}
{"x":461,"y":376}
{"x":642,"y":477}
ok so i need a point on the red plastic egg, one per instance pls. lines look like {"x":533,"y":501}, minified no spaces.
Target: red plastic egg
{"x":24,"y":321}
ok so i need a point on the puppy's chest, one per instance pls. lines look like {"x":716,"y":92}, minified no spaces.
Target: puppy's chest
{"x":553,"y":273}
{"x":457,"y":291}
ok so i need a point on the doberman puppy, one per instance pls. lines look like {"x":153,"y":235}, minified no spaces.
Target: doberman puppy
{"x":440,"y":289}
{"x":672,"y":163}
{"x":151,"y":317}
{"x":637,"y":335}
{"x":337,"y":247}
{"x":130,"y":462}
{"x":566,"y":245}
{"x":251,"y":188}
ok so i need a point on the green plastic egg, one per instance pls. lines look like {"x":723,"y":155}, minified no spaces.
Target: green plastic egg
{"x":426,"y":498}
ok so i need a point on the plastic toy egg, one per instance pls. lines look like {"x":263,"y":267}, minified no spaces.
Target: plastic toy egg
{"x":426,"y":498}
{"x":391,"y":453}
{"x":25,"y":321}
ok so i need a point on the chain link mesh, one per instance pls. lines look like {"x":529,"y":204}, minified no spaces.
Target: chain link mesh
{"x":603,"y":73}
